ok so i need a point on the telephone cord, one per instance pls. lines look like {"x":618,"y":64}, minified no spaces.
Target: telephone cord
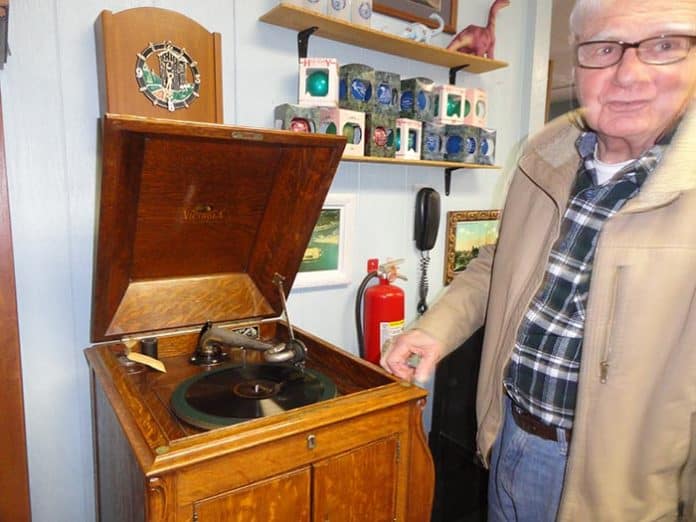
{"x":423,"y":287}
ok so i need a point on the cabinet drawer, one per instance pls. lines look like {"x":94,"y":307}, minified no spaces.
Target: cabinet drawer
{"x":282,"y":498}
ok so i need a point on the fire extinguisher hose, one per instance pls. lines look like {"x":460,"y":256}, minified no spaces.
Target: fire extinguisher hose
{"x":358,"y":311}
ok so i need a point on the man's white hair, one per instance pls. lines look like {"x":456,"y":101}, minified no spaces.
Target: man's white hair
{"x":581,"y":11}
{"x":587,"y":9}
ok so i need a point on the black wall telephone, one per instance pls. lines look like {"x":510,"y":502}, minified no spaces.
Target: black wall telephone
{"x":426,"y":224}
{"x":427,"y":219}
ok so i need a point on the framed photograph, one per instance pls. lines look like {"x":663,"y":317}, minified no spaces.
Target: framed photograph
{"x":326,"y":261}
{"x":467,"y":231}
{"x":420,"y":10}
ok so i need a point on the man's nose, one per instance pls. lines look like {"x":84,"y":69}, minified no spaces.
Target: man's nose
{"x":631,"y":69}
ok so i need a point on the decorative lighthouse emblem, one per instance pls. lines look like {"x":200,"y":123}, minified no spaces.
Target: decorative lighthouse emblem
{"x":167,"y":76}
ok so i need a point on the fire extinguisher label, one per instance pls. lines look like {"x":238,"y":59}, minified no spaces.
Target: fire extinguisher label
{"x":387,"y":330}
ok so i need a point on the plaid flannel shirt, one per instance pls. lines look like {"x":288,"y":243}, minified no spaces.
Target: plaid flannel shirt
{"x":543,"y":372}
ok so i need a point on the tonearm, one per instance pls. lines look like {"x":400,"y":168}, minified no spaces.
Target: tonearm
{"x":212,"y":339}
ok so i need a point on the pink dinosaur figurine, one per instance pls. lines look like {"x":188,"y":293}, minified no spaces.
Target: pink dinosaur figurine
{"x":477,"y":40}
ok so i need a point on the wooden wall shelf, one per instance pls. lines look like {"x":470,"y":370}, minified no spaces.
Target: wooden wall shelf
{"x":308,"y":22}
{"x":299,"y":19}
{"x":418,"y":163}
{"x":449,"y":166}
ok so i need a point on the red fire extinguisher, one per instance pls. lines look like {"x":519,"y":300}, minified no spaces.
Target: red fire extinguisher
{"x":383,"y":315}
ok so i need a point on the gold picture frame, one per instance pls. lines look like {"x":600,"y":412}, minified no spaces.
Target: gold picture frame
{"x":467,"y":231}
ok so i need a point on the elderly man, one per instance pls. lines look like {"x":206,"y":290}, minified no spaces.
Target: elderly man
{"x":587,"y":391}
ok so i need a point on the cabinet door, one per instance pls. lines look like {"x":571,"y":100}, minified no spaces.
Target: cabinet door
{"x":280,"y":499}
{"x":357,"y":486}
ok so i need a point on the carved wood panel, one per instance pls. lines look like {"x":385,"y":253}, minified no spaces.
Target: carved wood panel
{"x":281,"y":498}
{"x":359,"y":485}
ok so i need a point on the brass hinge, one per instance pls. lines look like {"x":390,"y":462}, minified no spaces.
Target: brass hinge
{"x":398,"y":450}
{"x":195,"y":515}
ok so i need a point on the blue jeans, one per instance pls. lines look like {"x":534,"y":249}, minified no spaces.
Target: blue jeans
{"x":526,"y":474}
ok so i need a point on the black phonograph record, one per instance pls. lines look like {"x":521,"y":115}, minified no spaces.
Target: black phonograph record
{"x":237,"y":392}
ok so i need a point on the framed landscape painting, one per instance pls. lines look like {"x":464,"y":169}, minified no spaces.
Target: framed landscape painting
{"x":467,"y":231}
{"x":326,"y":261}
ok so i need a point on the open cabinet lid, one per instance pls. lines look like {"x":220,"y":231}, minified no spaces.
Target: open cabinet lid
{"x":196,"y":219}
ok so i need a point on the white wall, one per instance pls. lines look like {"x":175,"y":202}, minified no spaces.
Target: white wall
{"x":49,"y":88}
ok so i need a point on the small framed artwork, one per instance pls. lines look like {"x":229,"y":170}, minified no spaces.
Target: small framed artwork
{"x":420,"y":10}
{"x":467,"y":231}
{"x":326,"y":261}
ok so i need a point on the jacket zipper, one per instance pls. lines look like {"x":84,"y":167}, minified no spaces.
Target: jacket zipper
{"x":608,"y":348}
{"x":687,"y":488}
{"x":605,"y":362}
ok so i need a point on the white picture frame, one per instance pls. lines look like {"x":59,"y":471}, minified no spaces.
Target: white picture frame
{"x":338,"y":216}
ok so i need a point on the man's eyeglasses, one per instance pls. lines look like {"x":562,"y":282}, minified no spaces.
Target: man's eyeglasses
{"x":659,"y":50}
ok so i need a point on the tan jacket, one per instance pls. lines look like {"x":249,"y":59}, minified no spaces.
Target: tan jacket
{"x":633,"y":451}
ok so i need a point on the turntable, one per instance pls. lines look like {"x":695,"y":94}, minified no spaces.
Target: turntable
{"x":202,"y":228}
{"x":247,"y":390}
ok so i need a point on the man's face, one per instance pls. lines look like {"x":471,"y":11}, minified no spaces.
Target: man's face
{"x":632,"y":100}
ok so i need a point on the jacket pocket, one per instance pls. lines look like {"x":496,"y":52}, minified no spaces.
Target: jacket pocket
{"x":687,"y":481}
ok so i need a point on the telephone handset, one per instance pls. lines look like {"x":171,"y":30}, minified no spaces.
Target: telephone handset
{"x":427,"y":219}
{"x":426,"y":224}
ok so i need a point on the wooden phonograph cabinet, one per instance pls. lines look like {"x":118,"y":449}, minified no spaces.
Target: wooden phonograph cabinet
{"x":202,"y":228}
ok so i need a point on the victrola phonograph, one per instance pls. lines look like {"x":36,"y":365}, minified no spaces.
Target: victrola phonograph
{"x":202,"y":228}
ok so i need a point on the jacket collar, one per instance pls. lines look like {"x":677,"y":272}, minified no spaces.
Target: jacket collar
{"x":675,"y":174}
{"x":551,"y":162}
{"x":551,"y":159}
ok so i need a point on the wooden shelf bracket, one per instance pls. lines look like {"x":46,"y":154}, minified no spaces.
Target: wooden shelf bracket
{"x":448,"y":178}
{"x":303,"y":41}
{"x":453,"y":73}
{"x":4,"y":21}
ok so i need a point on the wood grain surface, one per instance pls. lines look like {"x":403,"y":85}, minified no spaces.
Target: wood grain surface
{"x":14,"y":478}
